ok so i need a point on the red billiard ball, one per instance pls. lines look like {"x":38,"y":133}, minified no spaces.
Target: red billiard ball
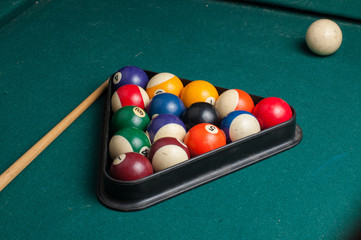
{"x":129,"y":95}
{"x":234,"y":99}
{"x":167,"y":152}
{"x":272,"y":111}
{"x":130,"y":166}
{"x":203,"y":138}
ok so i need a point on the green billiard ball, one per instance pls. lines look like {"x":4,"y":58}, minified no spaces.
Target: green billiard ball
{"x":129,"y":139}
{"x":129,"y":116}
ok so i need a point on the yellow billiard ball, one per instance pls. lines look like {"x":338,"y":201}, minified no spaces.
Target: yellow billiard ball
{"x":324,"y":37}
{"x":199,"y":91}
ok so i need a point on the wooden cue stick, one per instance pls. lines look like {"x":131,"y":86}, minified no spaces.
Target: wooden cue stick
{"x":15,"y":169}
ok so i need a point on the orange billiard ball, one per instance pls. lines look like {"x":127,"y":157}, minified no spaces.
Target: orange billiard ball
{"x":199,"y":91}
{"x":203,"y":138}
{"x":164,"y":82}
{"x":232,"y":100}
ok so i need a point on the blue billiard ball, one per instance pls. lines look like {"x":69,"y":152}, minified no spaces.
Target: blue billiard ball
{"x":166,"y":125}
{"x":239,"y":124}
{"x":129,"y":75}
{"x":165,"y":103}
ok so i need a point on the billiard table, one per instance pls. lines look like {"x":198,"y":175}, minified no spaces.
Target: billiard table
{"x":55,"y":53}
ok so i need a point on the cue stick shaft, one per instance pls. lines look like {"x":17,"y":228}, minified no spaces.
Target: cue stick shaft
{"x":17,"y":167}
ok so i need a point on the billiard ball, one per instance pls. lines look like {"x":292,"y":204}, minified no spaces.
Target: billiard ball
{"x":129,"y":75}
{"x":239,"y":124}
{"x":234,"y":99}
{"x":167,"y":152}
{"x":129,"y":139}
{"x":165,"y":103}
{"x":200,"y":112}
{"x":199,"y":91}
{"x":166,"y":125}
{"x":272,"y":111}
{"x":130,"y":167}
{"x":324,"y":37}
{"x":129,"y":116}
{"x":164,"y":82}
{"x":129,"y":95}
{"x":203,"y":138}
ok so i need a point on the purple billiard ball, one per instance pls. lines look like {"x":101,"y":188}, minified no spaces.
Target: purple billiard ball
{"x":239,"y":124}
{"x":165,"y":103}
{"x":129,"y":75}
{"x":166,"y":125}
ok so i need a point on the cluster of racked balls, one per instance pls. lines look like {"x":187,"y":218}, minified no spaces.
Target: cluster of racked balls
{"x":159,"y":122}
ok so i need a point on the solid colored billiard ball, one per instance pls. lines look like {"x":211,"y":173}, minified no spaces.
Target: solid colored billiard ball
{"x":200,"y":112}
{"x":203,"y":138}
{"x":129,"y":95}
{"x":130,"y":166}
{"x":167,"y":152}
{"x":129,"y":75}
{"x":129,"y":140}
{"x":165,"y":103}
{"x":129,"y":116}
{"x":239,"y":124}
{"x":324,"y":37}
{"x":199,"y":91}
{"x":166,"y":125}
{"x":164,"y":82}
{"x":234,"y":99}
{"x":272,"y":111}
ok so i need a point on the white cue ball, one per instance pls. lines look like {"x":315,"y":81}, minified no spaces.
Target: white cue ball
{"x":324,"y":37}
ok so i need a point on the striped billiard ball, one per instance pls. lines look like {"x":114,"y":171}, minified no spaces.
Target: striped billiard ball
{"x":129,"y":140}
{"x":166,"y":125}
{"x":129,"y":95}
{"x":164,"y":82}
{"x":167,"y":152}
{"x":234,"y":99}
{"x":239,"y":124}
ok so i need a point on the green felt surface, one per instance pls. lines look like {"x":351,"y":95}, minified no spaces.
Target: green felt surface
{"x":347,"y":9}
{"x":9,"y":9}
{"x":56,"y":53}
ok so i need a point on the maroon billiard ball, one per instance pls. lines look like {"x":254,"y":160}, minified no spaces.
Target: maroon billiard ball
{"x":272,"y":111}
{"x":130,"y":166}
{"x":167,"y":152}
